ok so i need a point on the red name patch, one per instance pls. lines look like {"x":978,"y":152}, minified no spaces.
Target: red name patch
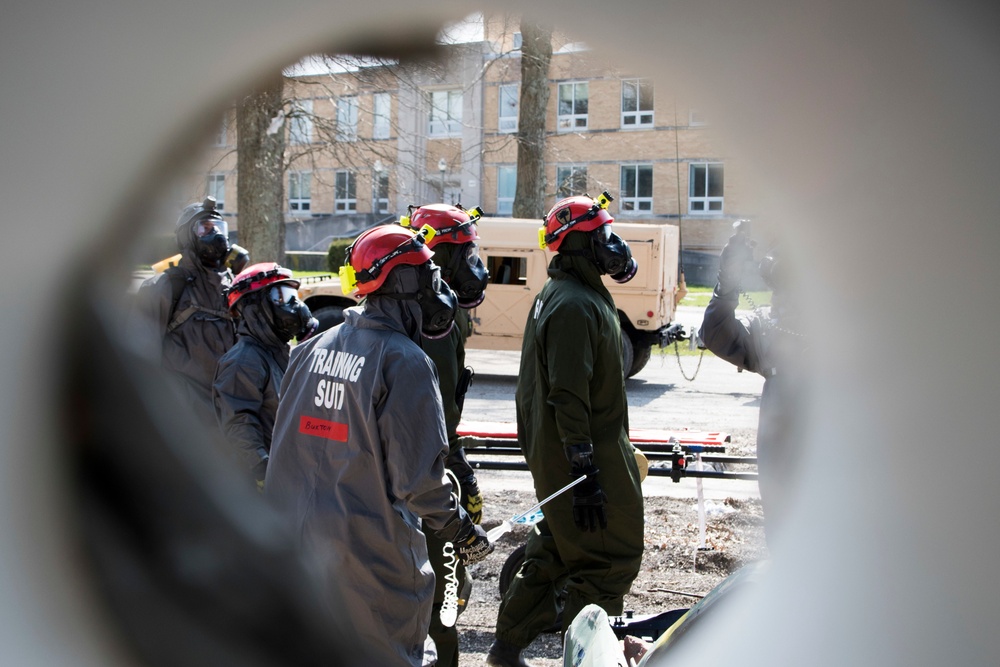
{"x":323,"y":428}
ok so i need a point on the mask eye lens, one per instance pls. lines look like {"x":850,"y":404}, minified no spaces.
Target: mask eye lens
{"x":282,"y":295}
{"x":603,"y":233}
{"x":436,"y":279}
{"x":472,"y":254}
{"x":204,"y":228}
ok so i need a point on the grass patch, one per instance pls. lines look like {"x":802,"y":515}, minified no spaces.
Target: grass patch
{"x":699,"y":296}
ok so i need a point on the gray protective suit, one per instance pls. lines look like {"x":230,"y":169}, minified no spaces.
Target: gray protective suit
{"x":191,"y":337}
{"x":357,"y":460}
{"x":246,"y":386}
{"x":571,"y":390}
{"x":767,"y":344}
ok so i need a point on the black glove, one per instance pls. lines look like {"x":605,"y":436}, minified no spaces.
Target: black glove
{"x":589,"y":499}
{"x":675,"y":332}
{"x":733,"y":262}
{"x":472,"y":545}
{"x":471,"y":499}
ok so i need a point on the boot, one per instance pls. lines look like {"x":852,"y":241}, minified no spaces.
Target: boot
{"x":504,"y":654}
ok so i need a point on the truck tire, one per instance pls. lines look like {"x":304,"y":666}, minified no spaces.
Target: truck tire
{"x":640,"y":357}
{"x":509,"y":571}
{"x":329,"y":317}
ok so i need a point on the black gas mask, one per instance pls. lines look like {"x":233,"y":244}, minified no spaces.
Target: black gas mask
{"x":211,"y":242}
{"x":612,"y":255}
{"x":291,"y":317}
{"x":465,"y":274}
{"x":203,"y":228}
{"x":438,"y":303}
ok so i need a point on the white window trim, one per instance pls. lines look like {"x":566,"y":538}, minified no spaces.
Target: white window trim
{"x":639,"y":116}
{"x":382,"y":122}
{"x":505,"y":205}
{"x":450,"y":126}
{"x":570,"y":122}
{"x":573,"y":168}
{"x":300,"y":127}
{"x":507,"y":124}
{"x":217,"y":188}
{"x":300,"y":204}
{"x":346,"y":204}
{"x":706,"y":203}
{"x":636,"y":205}
{"x":347,"y":128}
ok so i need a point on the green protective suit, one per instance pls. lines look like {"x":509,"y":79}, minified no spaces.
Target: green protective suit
{"x":571,"y":390}
{"x":448,"y":355}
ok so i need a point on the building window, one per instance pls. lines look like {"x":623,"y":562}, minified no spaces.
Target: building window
{"x":636,"y":188}
{"x":347,"y":119}
{"x":696,"y":118}
{"x":382,"y":192}
{"x":506,"y":186}
{"x":508,"y":108}
{"x":345,"y":192}
{"x":300,"y":129}
{"x":445,"y":113}
{"x":381,"y":108}
{"x":299,"y":185}
{"x":221,"y":137}
{"x":705,"y":188}
{"x":517,"y":42}
{"x":570,"y":181}
{"x":572,"y":106}
{"x":217,"y":189}
{"x":637,"y":103}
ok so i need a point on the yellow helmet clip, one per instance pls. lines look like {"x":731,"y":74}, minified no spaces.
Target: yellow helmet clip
{"x":405,"y":221}
{"x":541,"y":238}
{"x":604,"y":199}
{"x":348,"y":279}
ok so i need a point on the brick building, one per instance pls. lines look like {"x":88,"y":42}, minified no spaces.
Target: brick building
{"x":364,"y":142}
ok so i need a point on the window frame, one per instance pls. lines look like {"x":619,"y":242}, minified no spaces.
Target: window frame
{"x":638,"y":115}
{"x":345,"y":195}
{"x":300,"y":125}
{"x":635,"y":203}
{"x":577,"y":120}
{"x":451,"y":124}
{"x":507,"y":124}
{"x":382,"y":192}
{"x":381,"y":118}
{"x":217,"y":188}
{"x":505,"y":204}
{"x":575,"y":172}
{"x":297,"y":203}
{"x":706,"y":204}
{"x":347,"y":118}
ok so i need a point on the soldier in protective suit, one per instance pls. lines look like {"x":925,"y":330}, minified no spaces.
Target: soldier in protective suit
{"x":357,"y":458}
{"x":769,"y":344}
{"x":245,"y":392}
{"x":456,"y":251}
{"x":572,"y":421}
{"x":182,"y":315}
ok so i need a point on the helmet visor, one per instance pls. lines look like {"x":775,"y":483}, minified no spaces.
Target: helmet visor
{"x":207,"y":226}
{"x":282,"y":295}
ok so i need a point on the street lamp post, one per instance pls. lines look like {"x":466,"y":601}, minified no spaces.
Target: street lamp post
{"x":442,"y":167}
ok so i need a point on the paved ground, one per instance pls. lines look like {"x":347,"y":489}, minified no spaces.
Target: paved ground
{"x":718,"y":399}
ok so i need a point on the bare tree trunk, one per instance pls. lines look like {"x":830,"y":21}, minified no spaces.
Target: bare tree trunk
{"x":536,"y":53}
{"x":260,"y":164}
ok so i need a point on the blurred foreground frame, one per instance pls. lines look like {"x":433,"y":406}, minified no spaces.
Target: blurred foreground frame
{"x":195,"y":567}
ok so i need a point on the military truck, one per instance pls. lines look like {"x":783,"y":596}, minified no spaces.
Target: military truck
{"x":517,"y":266}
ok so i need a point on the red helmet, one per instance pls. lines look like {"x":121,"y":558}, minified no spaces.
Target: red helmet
{"x":452,"y":224}
{"x":377,"y":251}
{"x":256,"y":277}
{"x":574,"y":214}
